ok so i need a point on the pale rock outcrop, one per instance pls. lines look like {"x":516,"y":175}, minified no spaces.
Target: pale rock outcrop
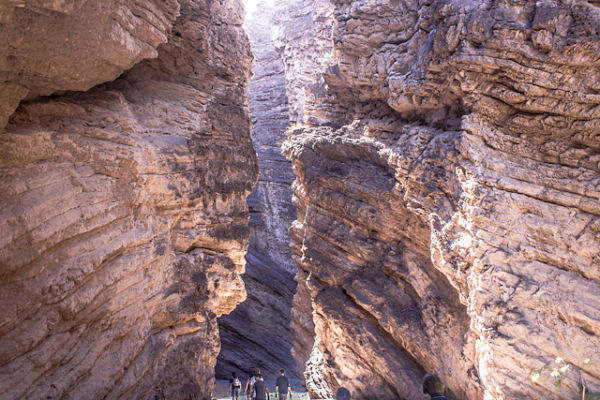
{"x":55,"y":46}
{"x":451,"y":225}
{"x":303,"y":37}
{"x":123,"y":222}
{"x":257,"y":334}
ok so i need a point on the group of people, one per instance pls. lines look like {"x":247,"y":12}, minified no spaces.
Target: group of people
{"x":256,"y":388}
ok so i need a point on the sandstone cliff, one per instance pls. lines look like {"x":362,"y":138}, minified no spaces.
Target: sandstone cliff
{"x":123,"y":222}
{"x":448,"y":220}
{"x":54,"y":46}
{"x":303,"y":37}
{"x":257,"y":334}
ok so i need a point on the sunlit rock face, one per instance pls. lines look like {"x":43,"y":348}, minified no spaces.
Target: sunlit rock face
{"x":40,"y":38}
{"x":123,"y":218}
{"x":302,"y":34}
{"x":448,"y":221}
{"x":257,"y":334}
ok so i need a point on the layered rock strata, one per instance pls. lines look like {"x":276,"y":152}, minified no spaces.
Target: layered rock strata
{"x":303,"y":36}
{"x":41,"y":38}
{"x":451,"y":224}
{"x":257,"y":334}
{"x":123,"y":222}
{"x":300,"y":25}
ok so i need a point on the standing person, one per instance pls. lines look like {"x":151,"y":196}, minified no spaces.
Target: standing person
{"x":282,"y":386}
{"x":433,"y":386}
{"x":250,"y":383}
{"x":235,"y":386}
{"x":260,"y":391}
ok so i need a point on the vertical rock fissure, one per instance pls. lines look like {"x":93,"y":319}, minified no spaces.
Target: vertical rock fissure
{"x":257,"y":333}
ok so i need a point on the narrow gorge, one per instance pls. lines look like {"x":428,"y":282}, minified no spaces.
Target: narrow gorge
{"x":358,"y":191}
{"x":256,"y":335}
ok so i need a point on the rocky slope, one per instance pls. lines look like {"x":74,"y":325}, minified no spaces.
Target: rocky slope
{"x":257,"y":333}
{"x":448,"y":220}
{"x":123,"y":222}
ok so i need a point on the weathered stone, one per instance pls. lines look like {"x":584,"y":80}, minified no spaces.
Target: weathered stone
{"x":303,"y":37}
{"x":123,"y":222}
{"x":452,"y":227}
{"x":55,"y":46}
{"x":360,"y":238}
{"x":257,"y":334}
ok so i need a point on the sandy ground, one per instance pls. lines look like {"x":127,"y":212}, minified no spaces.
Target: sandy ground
{"x":221,"y":393}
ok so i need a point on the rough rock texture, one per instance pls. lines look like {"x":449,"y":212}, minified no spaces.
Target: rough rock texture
{"x":303,"y":37}
{"x":271,"y":208}
{"x":257,"y":333}
{"x":451,"y":224}
{"x":123,"y":222}
{"x":39,"y":41}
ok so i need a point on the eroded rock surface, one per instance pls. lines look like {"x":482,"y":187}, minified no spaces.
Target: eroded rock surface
{"x":303,"y":37}
{"x":257,"y":334}
{"x":451,"y":224}
{"x":55,"y":46}
{"x":123,"y":222}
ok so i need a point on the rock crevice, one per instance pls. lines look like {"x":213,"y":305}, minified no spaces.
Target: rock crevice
{"x":257,"y":334}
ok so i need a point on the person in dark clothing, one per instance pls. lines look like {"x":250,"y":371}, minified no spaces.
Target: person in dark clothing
{"x":282,"y":386}
{"x":260,"y":391}
{"x":433,"y":386}
{"x":250,"y":383}
{"x":235,"y":386}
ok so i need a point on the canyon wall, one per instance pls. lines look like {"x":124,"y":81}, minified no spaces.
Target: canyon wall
{"x":302,"y":35}
{"x":257,"y":333}
{"x":448,"y":205}
{"x":123,"y":218}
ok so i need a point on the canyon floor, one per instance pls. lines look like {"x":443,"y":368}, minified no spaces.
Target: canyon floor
{"x":221,"y":392}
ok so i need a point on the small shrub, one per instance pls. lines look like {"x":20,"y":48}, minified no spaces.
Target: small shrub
{"x":295,"y":127}
{"x":558,"y":375}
